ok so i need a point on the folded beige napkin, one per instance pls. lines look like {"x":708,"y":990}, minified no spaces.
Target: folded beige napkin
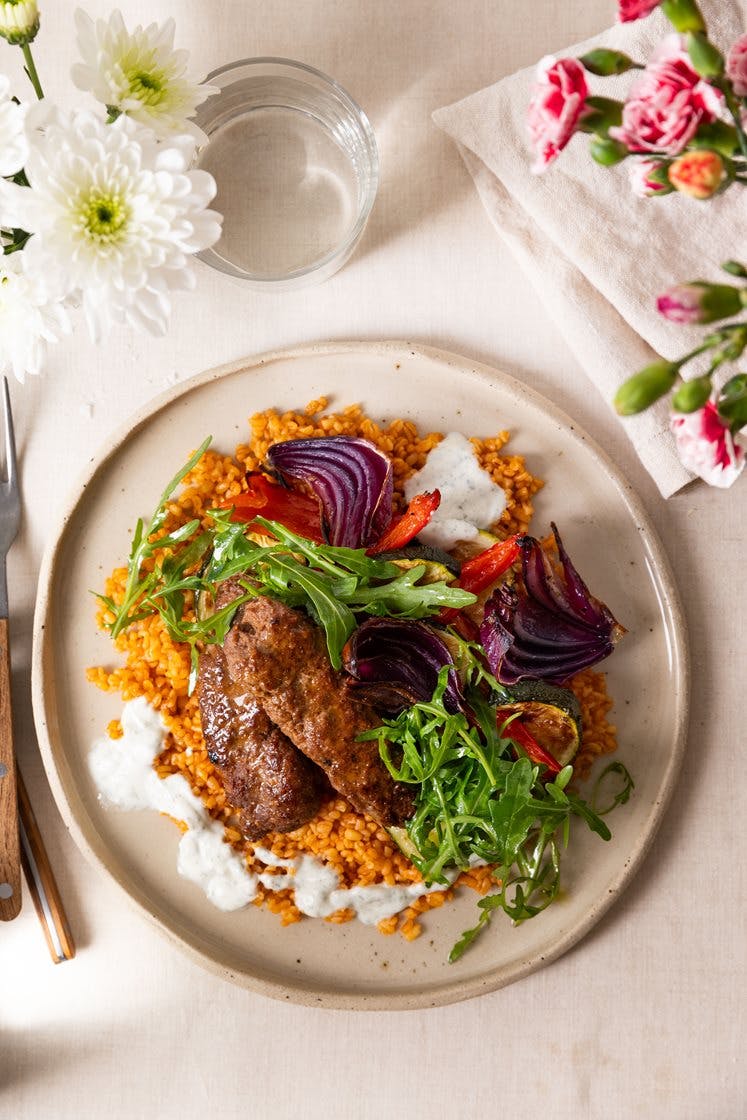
{"x":597,"y":253}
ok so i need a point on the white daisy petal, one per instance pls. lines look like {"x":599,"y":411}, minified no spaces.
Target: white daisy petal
{"x":13,"y":142}
{"x":114,"y":216}
{"x":29,"y":317}
{"x":139,"y":73}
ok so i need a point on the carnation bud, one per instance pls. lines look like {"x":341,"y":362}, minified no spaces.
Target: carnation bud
{"x":607,"y":151}
{"x":692,"y":395}
{"x":699,"y":302}
{"x":645,"y":387}
{"x":684,"y":15}
{"x":649,"y":179}
{"x":698,"y":174}
{"x":19,"y":21}
{"x":601,"y":114}
{"x":707,"y":59}
{"x":732,"y":402}
{"x":605,"y":62}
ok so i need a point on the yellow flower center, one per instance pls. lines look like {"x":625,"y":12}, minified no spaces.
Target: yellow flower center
{"x":148,"y":88}
{"x":104,"y":216}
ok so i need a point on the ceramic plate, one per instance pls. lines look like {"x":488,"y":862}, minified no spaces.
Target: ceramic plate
{"x":606,"y":532}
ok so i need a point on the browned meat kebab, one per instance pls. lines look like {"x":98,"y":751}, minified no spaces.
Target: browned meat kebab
{"x":275,"y":787}
{"x":279,"y":653}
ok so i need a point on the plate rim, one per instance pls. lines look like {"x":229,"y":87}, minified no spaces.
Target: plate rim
{"x":458,"y":989}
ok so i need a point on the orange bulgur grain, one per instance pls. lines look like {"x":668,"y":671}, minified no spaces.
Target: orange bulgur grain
{"x":359,"y":850}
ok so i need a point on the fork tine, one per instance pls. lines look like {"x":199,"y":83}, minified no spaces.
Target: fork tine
{"x":10,"y":442}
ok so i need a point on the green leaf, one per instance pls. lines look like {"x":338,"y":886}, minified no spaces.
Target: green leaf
{"x":621,"y":795}
{"x":602,"y":113}
{"x":705,"y":56}
{"x":734,"y":268}
{"x":582,"y":809}
{"x":470,"y":935}
{"x":512,"y":814}
{"x":717,"y":136}
{"x":143,"y":548}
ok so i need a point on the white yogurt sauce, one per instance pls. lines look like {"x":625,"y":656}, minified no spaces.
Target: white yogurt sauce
{"x":470,"y":500}
{"x":123,"y":772}
{"x":318,"y":892}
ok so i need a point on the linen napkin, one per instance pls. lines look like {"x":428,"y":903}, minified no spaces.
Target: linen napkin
{"x":597,"y":253}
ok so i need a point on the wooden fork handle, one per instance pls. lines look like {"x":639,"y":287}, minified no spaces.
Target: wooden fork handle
{"x":10,"y":853}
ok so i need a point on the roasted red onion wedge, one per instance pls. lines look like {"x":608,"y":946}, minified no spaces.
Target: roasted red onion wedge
{"x":351,"y":478}
{"x":395,"y":663}
{"x":546,"y":625}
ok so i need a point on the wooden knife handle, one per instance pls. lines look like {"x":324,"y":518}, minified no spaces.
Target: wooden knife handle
{"x":42,"y":884}
{"x":10,"y":854}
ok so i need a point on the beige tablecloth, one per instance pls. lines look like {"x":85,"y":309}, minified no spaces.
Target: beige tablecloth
{"x":646,"y":1017}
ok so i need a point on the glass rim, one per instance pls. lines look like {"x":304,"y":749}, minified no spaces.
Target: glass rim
{"x":268,"y":281}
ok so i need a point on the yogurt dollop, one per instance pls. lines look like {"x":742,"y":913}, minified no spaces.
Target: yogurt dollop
{"x":470,"y":500}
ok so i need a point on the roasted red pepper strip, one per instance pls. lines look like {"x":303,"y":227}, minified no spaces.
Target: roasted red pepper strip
{"x":299,"y":512}
{"x":484,"y":569}
{"x":416,"y":517}
{"x":534,"y":751}
{"x":488,"y":566}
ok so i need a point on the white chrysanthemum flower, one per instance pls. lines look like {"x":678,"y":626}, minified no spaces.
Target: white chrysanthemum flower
{"x":19,"y":20}
{"x":115,"y":215}
{"x":29,"y":318}
{"x":138,"y":73}
{"x":13,"y":144}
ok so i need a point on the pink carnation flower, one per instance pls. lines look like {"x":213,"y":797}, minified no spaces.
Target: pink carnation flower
{"x":667,"y":103}
{"x":736,"y":66}
{"x":629,"y":10}
{"x":706,"y":447}
{"x":556,"y":107}
{"x":640,"y":172}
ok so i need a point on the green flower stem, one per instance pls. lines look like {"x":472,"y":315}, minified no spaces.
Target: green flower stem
{"x":733,"y":106}
{"x":15,"y":246}
{"x":31,"y":71}
{"x":694,"y":353}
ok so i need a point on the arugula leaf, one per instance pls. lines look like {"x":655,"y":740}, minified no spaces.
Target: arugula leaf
{"x":477,"y":801}
{"x":621,"y":795}
{"x":139,"y":585}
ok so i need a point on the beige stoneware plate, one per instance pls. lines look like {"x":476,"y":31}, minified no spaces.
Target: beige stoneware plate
{"x":606,"y":531}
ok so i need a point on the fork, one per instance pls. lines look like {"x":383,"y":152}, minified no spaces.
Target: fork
{"x":10,"y":516}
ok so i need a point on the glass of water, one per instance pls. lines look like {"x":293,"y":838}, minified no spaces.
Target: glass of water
{"x":296,"y":165}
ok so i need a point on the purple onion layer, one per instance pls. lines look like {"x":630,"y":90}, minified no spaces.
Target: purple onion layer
{"x":395,"y":663}
{"x":351,"y":478}
{"x":547,"y":625}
